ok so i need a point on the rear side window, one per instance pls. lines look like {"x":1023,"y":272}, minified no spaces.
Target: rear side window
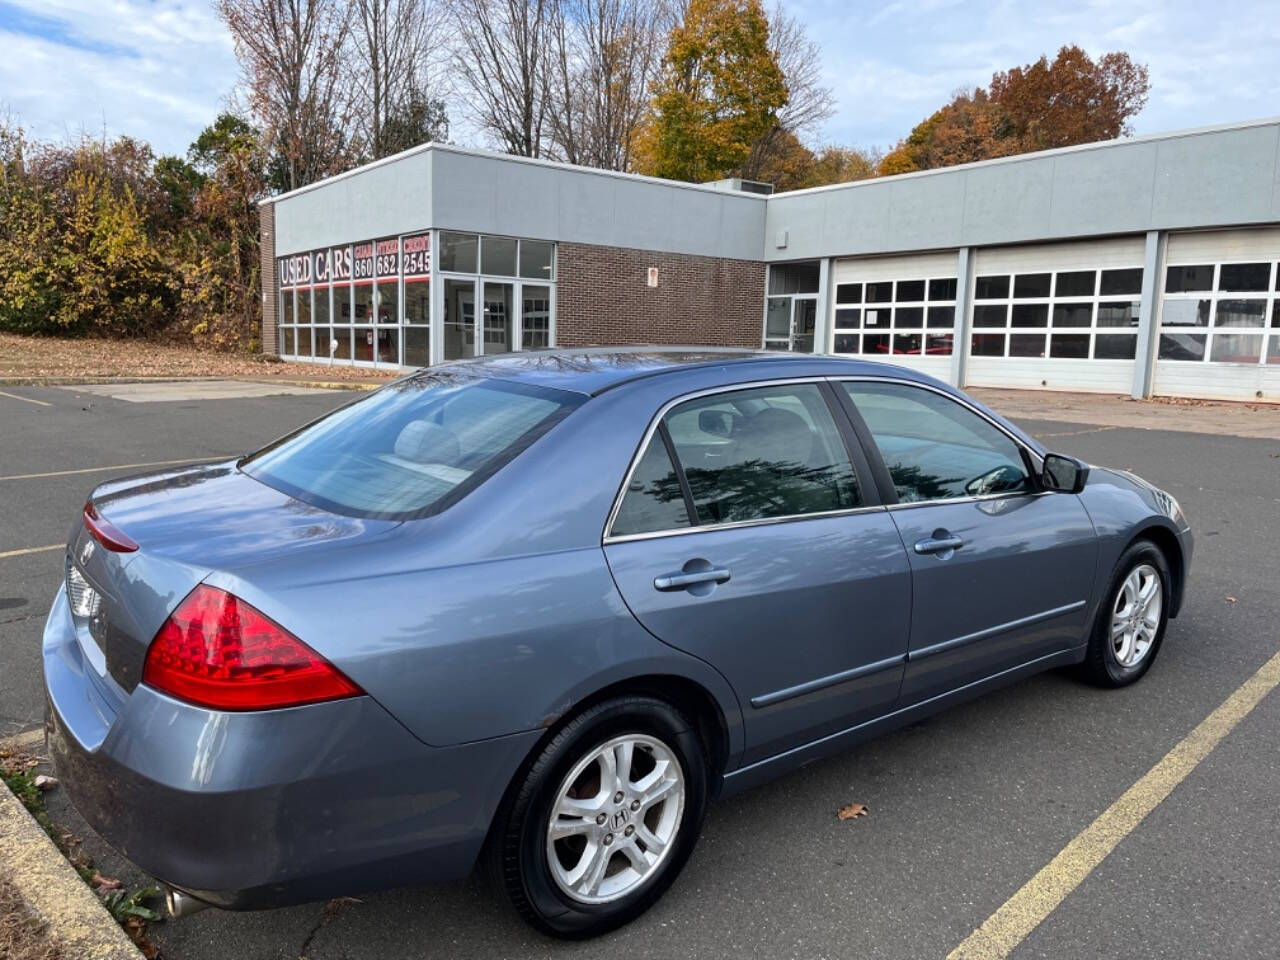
{"x":747,"y":455}
{"x":935,"y":448}
{"x":412,"y":448}
{"x":654,"y":500}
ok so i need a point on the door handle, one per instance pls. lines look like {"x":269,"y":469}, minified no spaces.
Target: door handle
{"x":936,"y":544}
{"x":682,"y":580}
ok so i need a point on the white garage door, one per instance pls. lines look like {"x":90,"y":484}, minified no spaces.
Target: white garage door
{"x":1060,"y":316}
{"x":896,"y":309}
{"x":1219,"y":329}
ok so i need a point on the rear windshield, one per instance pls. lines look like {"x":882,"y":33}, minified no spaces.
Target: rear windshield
{"x":412,"y":448}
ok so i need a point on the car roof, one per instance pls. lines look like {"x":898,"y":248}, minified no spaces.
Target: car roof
{"x":593,"y":370}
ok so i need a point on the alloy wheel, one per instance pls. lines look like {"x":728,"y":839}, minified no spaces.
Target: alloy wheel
{"x":615,"y":818}
{"x":1135,"y":618}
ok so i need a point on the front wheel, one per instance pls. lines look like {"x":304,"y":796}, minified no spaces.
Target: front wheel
{"x":1131,"y":622}
{"x":604,"y":819}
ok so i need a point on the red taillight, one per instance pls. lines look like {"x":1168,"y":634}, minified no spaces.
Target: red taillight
{"x":217,"y":651}
{"x":105,"y":532}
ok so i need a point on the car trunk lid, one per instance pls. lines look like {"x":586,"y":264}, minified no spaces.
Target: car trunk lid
{"x":186,"y":524}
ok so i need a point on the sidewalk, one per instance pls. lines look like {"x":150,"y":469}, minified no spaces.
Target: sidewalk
{"x":1258,"y":420}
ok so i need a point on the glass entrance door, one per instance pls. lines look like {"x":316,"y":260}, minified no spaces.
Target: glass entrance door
{"x":499,"y":317}
{"x":459,"y":338}
{"x":791,"y":323}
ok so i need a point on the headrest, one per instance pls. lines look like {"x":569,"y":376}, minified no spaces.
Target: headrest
{"x":425,"y":442}
{"x":777,"y":436}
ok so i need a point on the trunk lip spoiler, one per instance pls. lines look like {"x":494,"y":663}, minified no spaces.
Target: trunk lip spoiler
{"x":106,"y":533}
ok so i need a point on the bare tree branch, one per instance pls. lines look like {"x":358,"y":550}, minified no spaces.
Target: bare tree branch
{"x":606,"y":54}
{"x":394,"y":43}
{"x":500,"y":67}
{"x":291,"y":57}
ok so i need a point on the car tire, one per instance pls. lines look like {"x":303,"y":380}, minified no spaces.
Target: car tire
{"x":1128,"y":630}
{"x":571,"y":773}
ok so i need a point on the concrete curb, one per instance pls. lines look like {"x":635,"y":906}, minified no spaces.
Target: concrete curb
{"x":73,"y":917}
{"x":75,"y":381}
{"x":29,"y":741}
{"x":315,"y":384}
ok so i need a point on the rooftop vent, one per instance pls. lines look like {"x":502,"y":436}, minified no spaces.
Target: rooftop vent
{"x":738,"y":185}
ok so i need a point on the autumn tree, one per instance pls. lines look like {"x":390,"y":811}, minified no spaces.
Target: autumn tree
{"x":500,"y":68}
{"x":604,"y":61}
{"x":1073,"y":99}
{"x":291,"y":55}
{"x":720,"y":91}
{"x":1036,"y":107}
{"x":809,"y":101}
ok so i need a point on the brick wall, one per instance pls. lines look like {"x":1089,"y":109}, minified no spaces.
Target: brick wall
{"x":267,"y":246}
{"x":602,"y":298}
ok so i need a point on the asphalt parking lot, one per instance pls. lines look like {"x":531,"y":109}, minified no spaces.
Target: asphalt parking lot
{"x":965,"y":808}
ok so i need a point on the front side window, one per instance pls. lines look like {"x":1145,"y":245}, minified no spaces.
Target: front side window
{"x":934,"y":448}
{"x":412,"y":448}
{"x":746,"y":455}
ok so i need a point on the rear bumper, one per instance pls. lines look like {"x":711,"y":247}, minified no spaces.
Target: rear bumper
{"x":248,"y":810}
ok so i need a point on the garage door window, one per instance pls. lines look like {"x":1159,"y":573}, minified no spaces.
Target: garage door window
{"x":1064,"y":314}
{"x":900,"y":317}
{"x":1218,"y":313}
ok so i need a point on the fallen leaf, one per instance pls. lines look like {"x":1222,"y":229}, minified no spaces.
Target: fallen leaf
{"x":105,"y":883}
{"x":851,"y":811}
{"x":1232,"y":600}
{"x":43,"y":782}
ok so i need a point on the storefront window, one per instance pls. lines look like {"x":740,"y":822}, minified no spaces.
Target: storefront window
{"x":363,"y":297}
{"x":537,"y":259}
{"x":417,"y":346}
{"x":537,"y":317}
{"x":364,"y":344}
{"x":498,"y":256}
{"x":458,"y":252}
{"x":372,"y":301}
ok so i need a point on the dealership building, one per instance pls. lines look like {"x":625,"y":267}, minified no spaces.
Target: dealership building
{"x":1145,"y":266}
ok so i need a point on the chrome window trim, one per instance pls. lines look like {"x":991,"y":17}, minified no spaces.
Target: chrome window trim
{"x":608,"y":536}
{"x":735,"y":524}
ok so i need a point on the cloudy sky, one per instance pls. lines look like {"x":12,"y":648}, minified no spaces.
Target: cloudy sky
{"x":161,"y":69}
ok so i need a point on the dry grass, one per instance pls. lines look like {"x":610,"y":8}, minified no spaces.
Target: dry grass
{"x":36,"y":357}
{"x":22,"y":933}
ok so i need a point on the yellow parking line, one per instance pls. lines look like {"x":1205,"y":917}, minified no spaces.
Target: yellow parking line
{"x":14,"y":396}
{"x":25,"y":550}
{"x":1026,"y":909}
{"x":118,"y":466}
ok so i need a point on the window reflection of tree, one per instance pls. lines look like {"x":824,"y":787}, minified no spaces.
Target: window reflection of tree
{"x":912,"y":483}
{"x":760,"y":488}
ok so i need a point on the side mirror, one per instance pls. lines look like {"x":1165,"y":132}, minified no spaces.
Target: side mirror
{"x":1063,"y":474}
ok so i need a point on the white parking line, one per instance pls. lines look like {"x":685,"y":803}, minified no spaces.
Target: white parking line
{"x":25,"y":550}
{"x":14,"y":396}
{"x":117,"y":466}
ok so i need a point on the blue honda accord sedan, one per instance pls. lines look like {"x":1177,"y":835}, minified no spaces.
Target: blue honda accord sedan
{"x":539,"y":610}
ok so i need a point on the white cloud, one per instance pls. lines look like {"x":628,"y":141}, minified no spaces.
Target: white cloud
{"x":892,"y":64}
{"x":162,"y":69}
{"x":159,"y":70}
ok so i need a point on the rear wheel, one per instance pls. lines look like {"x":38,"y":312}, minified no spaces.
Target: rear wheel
{"x":1131,"y":622}
{"x":604,"y":819}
